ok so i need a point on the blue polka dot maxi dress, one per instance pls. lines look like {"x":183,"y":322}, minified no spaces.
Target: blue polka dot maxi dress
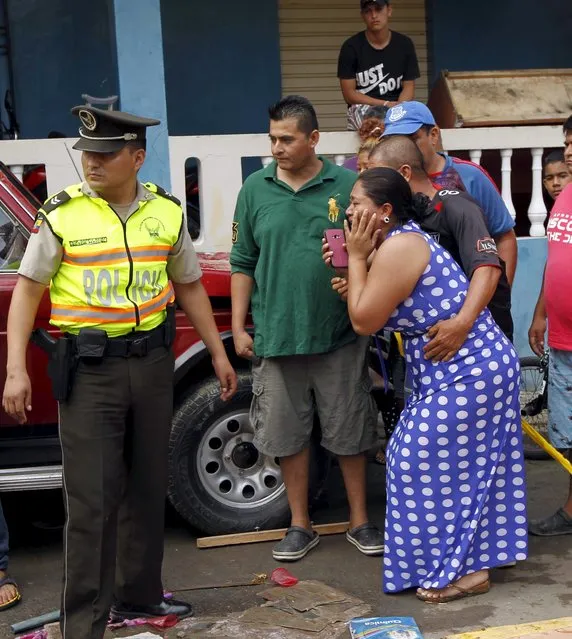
{"x":456,"y":496}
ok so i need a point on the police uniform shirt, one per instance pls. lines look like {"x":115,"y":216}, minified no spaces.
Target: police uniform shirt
{"x":457,"y":222}
{"x":44,"y":252}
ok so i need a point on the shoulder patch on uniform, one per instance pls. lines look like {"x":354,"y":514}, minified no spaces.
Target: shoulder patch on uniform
{"x":159,"y":190}
{"x":487,"y":245}
{"x":57,"y":200}
{"x":39,"y":220}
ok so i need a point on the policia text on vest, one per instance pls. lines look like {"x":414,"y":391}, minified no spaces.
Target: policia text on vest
{"x":115,"y":279}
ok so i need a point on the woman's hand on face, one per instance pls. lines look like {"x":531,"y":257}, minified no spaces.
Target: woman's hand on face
{"x":362,"y":238}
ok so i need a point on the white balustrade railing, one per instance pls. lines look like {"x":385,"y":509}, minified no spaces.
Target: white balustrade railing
{"x":220,"y":161}
{"x":475,"y":155}
{"x":537,"y":208}
{"x":506,"y":171}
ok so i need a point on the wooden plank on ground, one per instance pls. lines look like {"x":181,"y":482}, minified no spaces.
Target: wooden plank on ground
{"x":258,"y":536}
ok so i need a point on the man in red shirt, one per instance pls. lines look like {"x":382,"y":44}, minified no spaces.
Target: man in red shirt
{"x":555,"y":305}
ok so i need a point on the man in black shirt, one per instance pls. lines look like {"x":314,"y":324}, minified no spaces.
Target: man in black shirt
{"x":376,"y":67}
{"x":456,"y":221}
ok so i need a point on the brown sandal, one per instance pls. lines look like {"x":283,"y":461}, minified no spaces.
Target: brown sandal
{"x":479,"y":589}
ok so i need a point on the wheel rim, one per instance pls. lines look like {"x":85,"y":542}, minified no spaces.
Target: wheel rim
{"x":530,"y":388}
{"x":232,"y":470}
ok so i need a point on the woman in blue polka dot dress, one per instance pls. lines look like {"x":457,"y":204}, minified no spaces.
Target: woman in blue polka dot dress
{"x":456,"y":496}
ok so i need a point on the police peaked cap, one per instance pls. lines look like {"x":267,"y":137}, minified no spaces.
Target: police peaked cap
{"x":104,"y":131}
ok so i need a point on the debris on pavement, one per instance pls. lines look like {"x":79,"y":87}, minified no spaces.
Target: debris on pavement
{"x":35,"y":622}
{"x":160,"y":623}
{"x":385,"y":628}
{"x":283,"y":577}
{"x":257,"y":580}
{"x":308,"y":609}
{"x":305,"y":609}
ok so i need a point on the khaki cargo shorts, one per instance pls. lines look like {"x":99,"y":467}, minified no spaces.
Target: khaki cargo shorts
{"x":290,"y":391}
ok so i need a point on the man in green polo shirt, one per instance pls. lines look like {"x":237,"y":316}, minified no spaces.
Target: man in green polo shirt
{"x":306,"y":357}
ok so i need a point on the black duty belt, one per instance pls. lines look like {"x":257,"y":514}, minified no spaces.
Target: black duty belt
{"x":136,"y":344}
{"x":95,"y":344}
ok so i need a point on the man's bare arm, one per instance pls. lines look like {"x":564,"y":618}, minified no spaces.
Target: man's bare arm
{"x":407,"y":92}
{"x":195,"y":302}
{"x":353,"y":96}
{"x":537,"y":328}
{"x":241,"y":286}
{"x":24,"y":305}
{"x":508,"y":252}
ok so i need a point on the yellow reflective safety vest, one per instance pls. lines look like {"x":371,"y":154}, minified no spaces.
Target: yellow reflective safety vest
{"x":113,"y":275}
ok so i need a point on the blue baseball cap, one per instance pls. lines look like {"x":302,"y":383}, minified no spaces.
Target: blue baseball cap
{"x":407,"y":118}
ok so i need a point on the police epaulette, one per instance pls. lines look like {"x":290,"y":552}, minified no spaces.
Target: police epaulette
{"x":57,"y":200}
{"x":161,"y":191}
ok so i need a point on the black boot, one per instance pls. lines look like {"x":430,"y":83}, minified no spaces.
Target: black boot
{"x":121,"y":611}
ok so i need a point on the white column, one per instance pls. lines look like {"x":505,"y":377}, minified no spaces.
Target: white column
{"x":537,"y":208}
{"x":476,"y":156}
{"x":340,"y":159}
{"x":506,"y":170}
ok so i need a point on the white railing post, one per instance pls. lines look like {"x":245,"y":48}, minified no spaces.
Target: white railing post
{"x":476,"y":155}
{"x":506,"y":170}
{"x":537,"y":208}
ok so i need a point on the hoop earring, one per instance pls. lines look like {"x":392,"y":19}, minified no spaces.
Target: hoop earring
{"x":387,"y":219}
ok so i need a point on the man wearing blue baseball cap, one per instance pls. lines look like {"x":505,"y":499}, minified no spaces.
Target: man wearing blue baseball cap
{"x":378,"y":66}
{"x":416,"y":120}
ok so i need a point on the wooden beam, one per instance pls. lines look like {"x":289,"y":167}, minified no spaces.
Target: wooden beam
{"x":258,"y":536}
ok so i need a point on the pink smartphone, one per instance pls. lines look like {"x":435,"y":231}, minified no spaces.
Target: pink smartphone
{"x":336,"y":240}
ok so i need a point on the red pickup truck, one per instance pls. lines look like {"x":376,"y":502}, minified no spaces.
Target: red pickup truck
{"x":219,"y":482}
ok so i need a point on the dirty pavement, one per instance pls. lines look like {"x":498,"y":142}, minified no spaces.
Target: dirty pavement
{"x":335,"y":572}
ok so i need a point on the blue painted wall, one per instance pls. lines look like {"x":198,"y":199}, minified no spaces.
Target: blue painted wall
{"x":139,"y":49}
{"x":526,"y":286}
{"x":222,"y":62}
{"x":493,"y":35}
{"x":60,"y":49}
{"x":222,"y":65}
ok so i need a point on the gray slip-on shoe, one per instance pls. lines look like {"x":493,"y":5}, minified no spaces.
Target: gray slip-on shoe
{"x":367,"y":538}
{"x":557,"y":524}
{"x":296,"y":544}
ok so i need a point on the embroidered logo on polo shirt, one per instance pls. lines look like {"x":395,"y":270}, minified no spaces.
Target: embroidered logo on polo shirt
{"x":234,"y":232}
{"x":333,"y":210}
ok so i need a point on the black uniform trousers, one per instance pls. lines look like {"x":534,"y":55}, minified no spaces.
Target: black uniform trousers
{"x":114,"y":431}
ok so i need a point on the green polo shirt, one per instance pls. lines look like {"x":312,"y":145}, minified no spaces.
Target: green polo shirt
{"x":277,"y":240}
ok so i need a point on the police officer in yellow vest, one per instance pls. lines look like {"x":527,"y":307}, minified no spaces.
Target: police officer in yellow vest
{"x":115,"y":254}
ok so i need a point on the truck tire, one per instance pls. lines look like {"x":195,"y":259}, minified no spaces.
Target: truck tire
{"x":218,"y":482}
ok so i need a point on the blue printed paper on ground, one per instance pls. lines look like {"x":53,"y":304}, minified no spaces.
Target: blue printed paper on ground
{"x":385,"y":628}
